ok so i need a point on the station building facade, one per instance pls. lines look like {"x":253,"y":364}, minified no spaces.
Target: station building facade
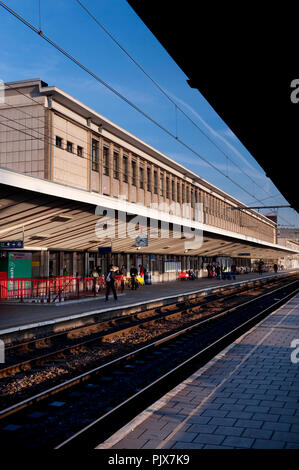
{"x":49,"y":135}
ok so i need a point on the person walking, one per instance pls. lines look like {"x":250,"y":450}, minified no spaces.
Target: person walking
{"x":110,"y":278}
{"x":260,"y":267}
{"x":133,"y":274}
{"x":233,"y":271}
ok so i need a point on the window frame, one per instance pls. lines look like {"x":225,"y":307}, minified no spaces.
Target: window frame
{"x":125,"y":168}
{"x":79,"y":152}
{"x":134,"y":172}
{"x":58,"y":139}
{"x":95,"y":154}
{"x":106,"y":160}
{"x":116,"y":164}
{"x":69,"y":146}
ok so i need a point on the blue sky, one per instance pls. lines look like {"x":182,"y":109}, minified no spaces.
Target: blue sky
{"x":25,"y":55}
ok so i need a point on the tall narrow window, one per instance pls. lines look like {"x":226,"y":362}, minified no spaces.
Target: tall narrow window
{"x":178,"y":192}
{"x":161,"y":184}
{"x":95,"y":155}
{"x":167,"y":187}
{"x":141,"y":177}
{"x":125,"y":169}
{"x":183,"y":193}
{"x":134,"y":172}
{"x":149,"y":178}
{"x":106,"y":160}
{"x":155,"y":182}
{"x":173,"y":190}
{"x":116,"y":165}
{"x":192,"y":197}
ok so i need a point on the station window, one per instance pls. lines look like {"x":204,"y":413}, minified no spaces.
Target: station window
{"x":95,"y":155}
{"x":125,"y":169}
{"x":134,"y":165}
{"x":173,"y":190}
{"x":106,"y":160}
{"x":178,"y":192}
{"x":161,"y":184}
{"x":79,"y":151}
{"x":149,"y":178}
{"x":116,"y":165}
{"x":155,"y":182}
{"x":141,"y":177}
{"x":69,"y":146}
{"x":183,"y":194}
{"x":192,"y":197}
{"x":167,"y":187}
{"x":58,"y":142}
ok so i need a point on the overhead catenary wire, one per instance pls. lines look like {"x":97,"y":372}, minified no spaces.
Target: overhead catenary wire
{"x":113,"y":90}
{"x":177,"y":107}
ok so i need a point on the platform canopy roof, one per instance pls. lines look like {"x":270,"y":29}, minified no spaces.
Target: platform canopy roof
{"x":241,"y":58}
{"x":53,"y":216}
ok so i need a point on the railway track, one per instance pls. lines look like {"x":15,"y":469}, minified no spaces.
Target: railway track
{"x":57,"y":346}
{"x":114,"y":392}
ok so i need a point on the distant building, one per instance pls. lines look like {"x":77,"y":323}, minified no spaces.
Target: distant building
{"x":289,"y":237}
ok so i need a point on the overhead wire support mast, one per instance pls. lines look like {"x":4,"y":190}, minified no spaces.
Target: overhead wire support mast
{"x":130,"y":103}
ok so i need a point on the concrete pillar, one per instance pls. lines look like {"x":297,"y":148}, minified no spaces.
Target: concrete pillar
{"x":111,"y":169}
{"x":130,"y":177}
{"x":152,"y":182}
{"x":86,"y":260}
{"x":75,"y":266}
{"x":120,"y":163}
{"x":44,"y":263}
{"x":128,"y":264}
{"x":160,"y":198}
{"x":61,"y":262}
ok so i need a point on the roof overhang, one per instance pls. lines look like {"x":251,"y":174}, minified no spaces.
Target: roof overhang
{"x":55,"y":216}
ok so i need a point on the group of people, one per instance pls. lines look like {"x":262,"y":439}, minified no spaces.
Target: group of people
{"x":215,"y":270}
{"x":115,"y":270}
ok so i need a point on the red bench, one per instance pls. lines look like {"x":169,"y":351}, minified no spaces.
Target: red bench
{"x":183,"y":275}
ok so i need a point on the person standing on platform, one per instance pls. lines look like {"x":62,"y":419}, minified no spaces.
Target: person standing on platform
{"x":109,"y":278}
{"x":223,"y":271}
{"x":260,"y":267}
{"x":95,"y":276}
{"x":133,"y":274}
{"x":217,"y":271}
{"x":233,"y":271}
{"x":123,"y":273}
{"x":142,"y":272}
{"x":275,"y":267}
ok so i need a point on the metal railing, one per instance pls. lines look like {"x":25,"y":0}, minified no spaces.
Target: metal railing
{"x":55,"y":289}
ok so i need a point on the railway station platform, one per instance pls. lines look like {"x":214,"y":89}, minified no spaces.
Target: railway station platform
{"x":18,"y":317}
{"x":246,"y":397}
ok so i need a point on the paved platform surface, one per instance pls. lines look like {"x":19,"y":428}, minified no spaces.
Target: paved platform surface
{"x":246,"y":397}
{"x":17,"y":315}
